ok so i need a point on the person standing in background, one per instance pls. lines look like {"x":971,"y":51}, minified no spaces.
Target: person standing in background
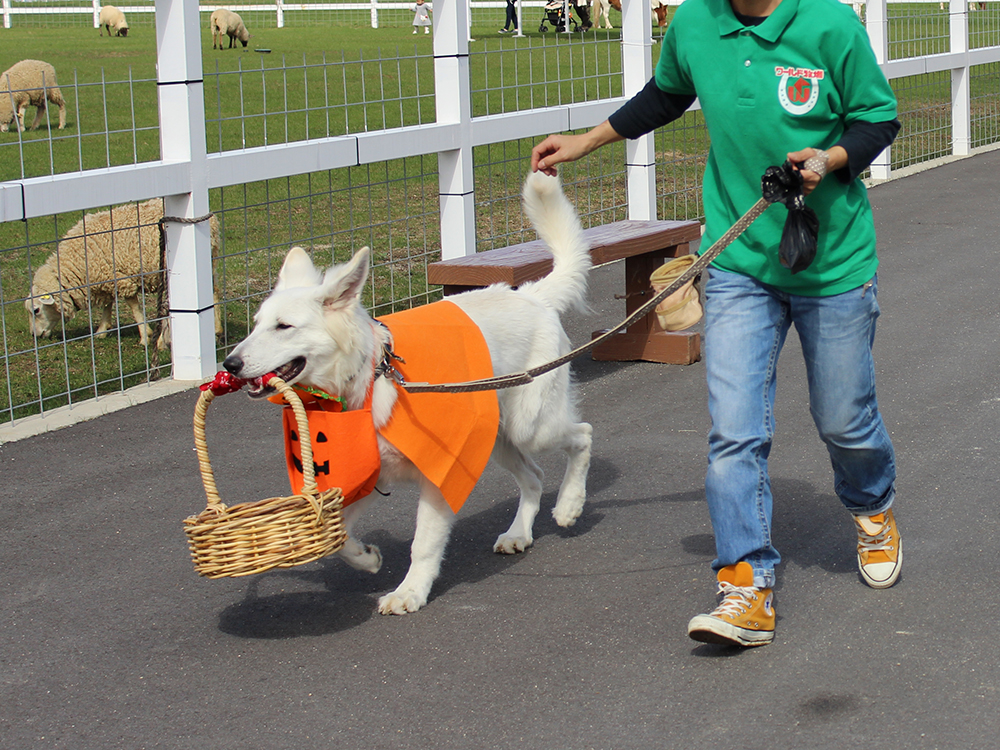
{"x":510,"y":25}
{"x":421,"y":16}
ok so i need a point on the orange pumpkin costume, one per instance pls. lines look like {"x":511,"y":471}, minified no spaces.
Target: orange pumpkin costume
{"x":448,"y":436}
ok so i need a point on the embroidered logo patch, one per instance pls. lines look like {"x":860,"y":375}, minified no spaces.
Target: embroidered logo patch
{"x":798,"y":88}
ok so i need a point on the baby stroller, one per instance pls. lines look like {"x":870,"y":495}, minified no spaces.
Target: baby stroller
{"x":554,"y":13}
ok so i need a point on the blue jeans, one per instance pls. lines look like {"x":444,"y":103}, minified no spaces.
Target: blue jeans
{"x":746,"y":323}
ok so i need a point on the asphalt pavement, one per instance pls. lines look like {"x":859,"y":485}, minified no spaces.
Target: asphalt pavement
{"x":110,"y":640}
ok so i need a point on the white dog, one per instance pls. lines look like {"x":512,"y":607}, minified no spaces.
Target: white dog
{"x":313,"y":331}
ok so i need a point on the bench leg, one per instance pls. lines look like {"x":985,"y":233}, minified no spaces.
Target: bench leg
{"x":645,"y":340}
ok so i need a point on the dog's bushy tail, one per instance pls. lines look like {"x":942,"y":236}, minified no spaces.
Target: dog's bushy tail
{"x":557,"y":223}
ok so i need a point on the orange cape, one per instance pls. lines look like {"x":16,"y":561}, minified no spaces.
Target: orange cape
{"x":448,"y":436}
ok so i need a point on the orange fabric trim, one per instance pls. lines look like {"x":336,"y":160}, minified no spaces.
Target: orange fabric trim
{"x":448,"y":436}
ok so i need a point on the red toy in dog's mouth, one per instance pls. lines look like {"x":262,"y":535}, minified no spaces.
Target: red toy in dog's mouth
{"x":258,"y":388}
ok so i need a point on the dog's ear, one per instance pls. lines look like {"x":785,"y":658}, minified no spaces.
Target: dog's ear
{"x":343,"y":284}
{"x":298,"y":270}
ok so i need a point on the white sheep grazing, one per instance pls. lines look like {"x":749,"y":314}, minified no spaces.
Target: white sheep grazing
{"x":104,"y":257}
{"x":29,"y":82}
{"x":111,"y":18}
{"x":223,"y":22}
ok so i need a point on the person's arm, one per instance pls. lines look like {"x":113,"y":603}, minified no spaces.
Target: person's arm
{"x":643,"y":113}
{"x":850,"y":156}
{"x":863,"y":141}
{"x":648,"y":110}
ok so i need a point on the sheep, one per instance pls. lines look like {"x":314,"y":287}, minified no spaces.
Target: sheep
{"x":29,"y":82}
{"x":104,"y":257}
{"x":224,"y":22}
{"x":112,"y":18}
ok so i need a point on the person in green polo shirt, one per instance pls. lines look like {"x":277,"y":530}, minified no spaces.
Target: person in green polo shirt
{"x":777,"y":80}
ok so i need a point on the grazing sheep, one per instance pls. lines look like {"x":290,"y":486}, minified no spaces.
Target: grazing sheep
{"x":29,"y":82}
{"x":111,"y":18}
{"x":224,"y":22}
{"x":104,"y":257}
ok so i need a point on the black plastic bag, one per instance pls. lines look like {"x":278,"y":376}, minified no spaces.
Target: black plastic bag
{"x":798,"y":238}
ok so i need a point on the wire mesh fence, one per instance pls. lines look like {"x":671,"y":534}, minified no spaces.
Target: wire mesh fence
{"x":387,"y":84}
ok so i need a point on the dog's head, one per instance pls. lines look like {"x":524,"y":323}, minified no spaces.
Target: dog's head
{"x":312,"y":329}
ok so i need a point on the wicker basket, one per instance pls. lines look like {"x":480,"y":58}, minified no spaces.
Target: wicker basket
{"x":279,"y":532}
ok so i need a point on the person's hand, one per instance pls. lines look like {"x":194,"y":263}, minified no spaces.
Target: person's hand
{"x":555,"y":150}
{"x":834,"y":159}
{"x":559,"y":148}
{"x":810,"y":178}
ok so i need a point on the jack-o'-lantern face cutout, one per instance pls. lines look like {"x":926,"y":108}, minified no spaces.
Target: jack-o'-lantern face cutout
{"x":345,"y":451}
{"x":317,"y":442}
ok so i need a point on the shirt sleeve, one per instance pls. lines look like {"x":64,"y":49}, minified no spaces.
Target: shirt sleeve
{"x":863,"y":141}
{"x":648,"y":110}
{"x":672,"y":74}
{"x":868,"y":97}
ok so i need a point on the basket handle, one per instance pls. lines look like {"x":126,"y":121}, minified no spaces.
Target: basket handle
{"x":201,"y":445}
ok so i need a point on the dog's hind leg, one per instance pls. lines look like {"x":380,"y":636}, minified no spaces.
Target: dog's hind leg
{"x":434,"y":522}
{"x":573,"y":491}
{"x":360,"y":556}
{"x":528,"y":476}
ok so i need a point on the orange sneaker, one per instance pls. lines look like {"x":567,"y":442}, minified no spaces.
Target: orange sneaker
{"x":745,"y":617}
{"x":880,"y":549}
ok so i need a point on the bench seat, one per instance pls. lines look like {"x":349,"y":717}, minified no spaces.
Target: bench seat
{"x":643,"y":245}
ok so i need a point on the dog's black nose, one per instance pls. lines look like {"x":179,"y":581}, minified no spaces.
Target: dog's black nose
{"x":233,"y":363}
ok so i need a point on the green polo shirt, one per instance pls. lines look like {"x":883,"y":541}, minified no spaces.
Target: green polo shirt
{"x":797,"y":80}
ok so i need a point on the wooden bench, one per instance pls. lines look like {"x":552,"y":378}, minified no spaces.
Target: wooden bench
{"x":644,"y":245}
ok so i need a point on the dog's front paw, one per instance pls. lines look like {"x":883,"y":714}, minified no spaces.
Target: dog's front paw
{"x":401,"y":602}
{"x":364,"y":557}
{"x":508,"y":544}
{"x":371,"y":560}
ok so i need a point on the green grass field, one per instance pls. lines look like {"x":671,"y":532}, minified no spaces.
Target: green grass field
{"x":326,"y":80}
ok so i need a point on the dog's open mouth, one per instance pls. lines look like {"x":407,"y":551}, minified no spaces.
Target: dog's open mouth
{"x":257,"y":388}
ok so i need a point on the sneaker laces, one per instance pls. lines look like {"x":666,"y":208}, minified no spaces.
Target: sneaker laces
{"x":736,"y":599}
{"x":876,"y":542}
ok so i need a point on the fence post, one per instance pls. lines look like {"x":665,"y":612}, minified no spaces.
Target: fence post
{"x":961,"y":95}
{"x":637,"y":67}
{"x":97,"y":13}
{"x":6,"y":14}
{"x":280,"y":11}
{"x":374,"y":14}
{"x":877,"y":23}
{"x":452,"y":98}
{"x":182,"y":139}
